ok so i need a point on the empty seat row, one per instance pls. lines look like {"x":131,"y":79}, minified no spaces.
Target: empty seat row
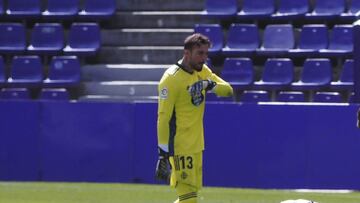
{"x":49,"y":38}
{"x":28,"y":71}
{"x":252,"y":96}
{"x":315,"y":40}
{"x":58,"y":9}
{"x":283,"y":9}
{"x":278,"y":73}
{"x":24,"y":94}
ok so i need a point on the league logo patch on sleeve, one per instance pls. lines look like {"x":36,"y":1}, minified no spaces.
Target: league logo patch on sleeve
{"x":164,"y":93}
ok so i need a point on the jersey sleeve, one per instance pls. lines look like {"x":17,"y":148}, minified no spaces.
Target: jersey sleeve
{"x":222,"y":87}
{"x":166,"y":103}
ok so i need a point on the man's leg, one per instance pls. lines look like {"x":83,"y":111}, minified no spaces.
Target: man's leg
{"x":186,"y":193}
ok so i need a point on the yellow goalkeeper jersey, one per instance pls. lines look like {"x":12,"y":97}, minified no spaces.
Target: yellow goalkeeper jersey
{"x":180,"y":122}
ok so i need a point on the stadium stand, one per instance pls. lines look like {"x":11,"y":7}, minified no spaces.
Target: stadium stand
{"x":97,"y":10}
{"x":239,"y":72}
{"x":333,"y":97}
{"x":64,"y":71}
{"x":220,"y":9}
{"x":291,"y":96}
{"x":215,"y":34}
{"x":288,"y":9}
{"x":256,"y":9}
{"x":346,"y":80}
{"x":23,"y":9}
{"x":251,"y":96}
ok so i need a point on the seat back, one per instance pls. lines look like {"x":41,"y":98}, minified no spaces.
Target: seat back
{"x":280,"y":70}
{"x":26,"y":69}
{"x":47,"y":35}
{"x":327,"y":97}
{"x":12,"y":37}
{"x":293,"y":7}
{"x":243,"y":36}
{"x":54,"y":94}
{"x":63,"y":7}
{"x":329,"y":7}
{"x":279,"y":37}
{"x":347,"y":73}
{"x":285,"y":96}
{"x":14,"y":93}
{"x":65,"y":69}
{"x":313,"y":37}
{"x":103,"y":7}
{"x":258,"y":6}
{"x":238,"y":70}
{"x":317,"y":71}
{"x":228,"y":6}
{"x":84,"y":35}
{"x":24,"y":8}
{"x":215,"y":34}
{"x":2,"y":71}
{"x":255,"y":96}
{"x":354,"y":6}
{"x":341,"y":38}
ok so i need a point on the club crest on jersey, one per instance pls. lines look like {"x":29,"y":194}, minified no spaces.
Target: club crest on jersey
{"x":163,"y":93}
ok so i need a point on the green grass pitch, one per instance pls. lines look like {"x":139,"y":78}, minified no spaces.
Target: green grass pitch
{"x":40,"y":192}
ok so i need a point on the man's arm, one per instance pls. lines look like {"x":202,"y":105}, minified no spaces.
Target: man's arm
{"x":166,"y":103}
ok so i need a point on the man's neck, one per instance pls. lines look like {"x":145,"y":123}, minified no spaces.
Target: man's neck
{"x":185,"y":65}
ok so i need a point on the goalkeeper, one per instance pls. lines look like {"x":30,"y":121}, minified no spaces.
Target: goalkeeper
{"x":182,"y":93}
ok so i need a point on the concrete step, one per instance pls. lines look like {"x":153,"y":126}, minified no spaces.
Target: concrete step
{"x":121,"y":88}
{"x":144,"y":37}
{"x":139,"y":55}
{"x":158,"y":19}
{"x":125,"y":72}
{"x":159,"y":5}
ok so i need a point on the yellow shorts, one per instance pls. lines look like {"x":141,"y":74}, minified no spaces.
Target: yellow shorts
{"x":187,"y":171}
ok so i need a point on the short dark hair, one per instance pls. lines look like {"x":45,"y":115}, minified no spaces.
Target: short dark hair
{"x":196,"y":39}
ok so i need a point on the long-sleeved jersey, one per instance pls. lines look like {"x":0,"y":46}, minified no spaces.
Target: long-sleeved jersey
{"x":180,"y":121}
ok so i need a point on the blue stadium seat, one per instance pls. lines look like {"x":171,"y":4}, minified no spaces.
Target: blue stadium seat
{"x":333,"y":97}
{"x":242,"y":40}
{"x":346,"y":80}
{"x":46,"y":38}
{"x":352,"y":13}
{"x":278,"y":73}
{"x":12,"y":38}
{"x":2,"y":72}
{"x":239,"y":72}
{"x":340,"y":43}
{"x":26,"y":71}
{"x":214,"y":98}
{"x":256,"y":9}
{"x":23,"y":8}
{"x":14,"y":93}
{"x":313,"y":37}
{"x":327,"y":10}
{"x":252,"y":96}
{"x":97,"y":9}
{"x":316,"y":74}
{"x":215,"y":34}
{"x":291,"y":10}
{"x":220,"y":9}
{"x":54,"y":94}
{"x":64,"y":71}
{"x":2,"y":7}
{"x":64,"y":9}
{"x":291,"y":96}
{"x":277,"y":40}
{"x":84,"y":39}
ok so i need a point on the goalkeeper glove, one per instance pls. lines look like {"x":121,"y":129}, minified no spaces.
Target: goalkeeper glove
{"x":201,"y":85}
{"x":163,"y":168}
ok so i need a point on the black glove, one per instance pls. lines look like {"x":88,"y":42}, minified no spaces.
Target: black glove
{"x":200,"y":85}
{"x":163,"y":167}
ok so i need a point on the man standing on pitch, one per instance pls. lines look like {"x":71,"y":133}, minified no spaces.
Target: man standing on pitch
{"x":182,"y":92}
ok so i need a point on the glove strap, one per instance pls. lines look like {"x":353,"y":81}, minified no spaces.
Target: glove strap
{"x":163,"y":154}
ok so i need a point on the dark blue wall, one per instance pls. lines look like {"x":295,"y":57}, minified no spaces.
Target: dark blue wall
{"x":261,"y":146}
